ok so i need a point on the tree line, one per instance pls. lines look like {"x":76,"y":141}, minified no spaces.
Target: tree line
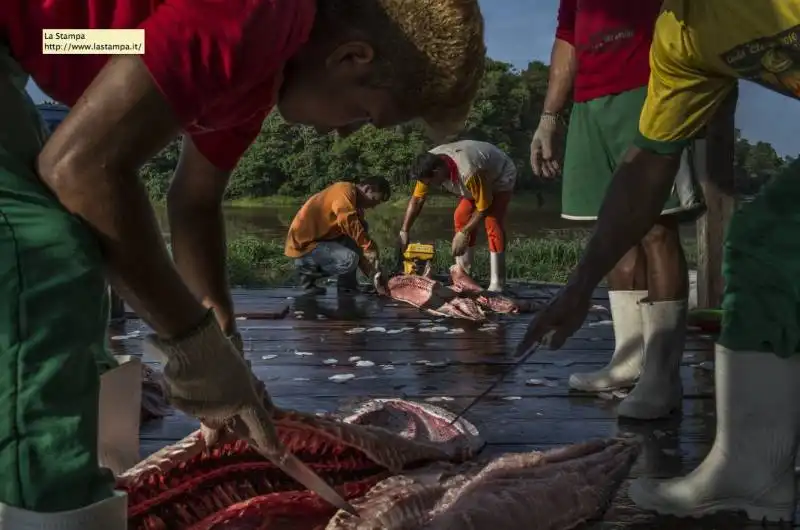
{"x":295,"y":161}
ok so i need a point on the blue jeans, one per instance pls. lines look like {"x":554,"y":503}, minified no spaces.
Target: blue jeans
{"x":330,"y":258}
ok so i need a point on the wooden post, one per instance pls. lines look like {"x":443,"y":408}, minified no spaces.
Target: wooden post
{"x":719,"y":189}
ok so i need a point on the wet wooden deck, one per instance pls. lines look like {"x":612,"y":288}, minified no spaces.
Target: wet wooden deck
{"x":288,"y":353}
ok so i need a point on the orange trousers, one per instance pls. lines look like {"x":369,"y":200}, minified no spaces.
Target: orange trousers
{"x":494,"y":220}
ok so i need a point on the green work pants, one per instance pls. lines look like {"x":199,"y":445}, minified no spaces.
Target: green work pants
{"x":53,"y":320}
{"x":600,"y":133}
{"x":761,"y":270}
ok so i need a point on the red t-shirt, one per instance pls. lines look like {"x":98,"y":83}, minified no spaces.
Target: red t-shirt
{"x":218,"y":62}
{"x":612,"y":43}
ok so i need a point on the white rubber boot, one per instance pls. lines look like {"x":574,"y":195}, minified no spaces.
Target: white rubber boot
{"x":120,"y":416}
{"x":465,"y":260}
{"x":497,"y":269}
{"x":626,"y":361}
{"x":110,"y":514}
{"x":750,"y":467}
{"x":659,"y":391}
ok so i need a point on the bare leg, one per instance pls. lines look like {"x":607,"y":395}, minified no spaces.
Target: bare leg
{"x":659,"y":391}
{"x":667,"y":270}
{"x":630,"y":274}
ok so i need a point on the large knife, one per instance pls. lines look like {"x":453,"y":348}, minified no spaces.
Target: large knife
{"x":511,"y":368}
{"x":295,"y":468}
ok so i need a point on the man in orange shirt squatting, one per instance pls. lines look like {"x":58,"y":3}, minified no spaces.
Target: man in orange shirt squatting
{"x":601,"y":54}
{"x":484,"y":177}
{"x":699,"y":51}
{"x":73,"y":211}
{"x":329,"y":236}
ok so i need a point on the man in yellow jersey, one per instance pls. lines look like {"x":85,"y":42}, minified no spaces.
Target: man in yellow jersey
{"x":699,"y":51}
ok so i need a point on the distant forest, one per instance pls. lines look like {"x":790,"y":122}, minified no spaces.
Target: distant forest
{"x":295,"y":161}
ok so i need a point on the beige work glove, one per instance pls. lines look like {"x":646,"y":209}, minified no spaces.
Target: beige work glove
{"x":460,"y":244}
{"x":206,"y":377}
{"x":374,"y":273}
{"x":373,"y":262}
{"x":238,"y":343}
{"x":545,"y":146}
{"x":379,"y":281}
{"x":214,"y":436}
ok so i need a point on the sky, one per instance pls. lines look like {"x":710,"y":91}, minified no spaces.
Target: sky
{"x":519,"y":31}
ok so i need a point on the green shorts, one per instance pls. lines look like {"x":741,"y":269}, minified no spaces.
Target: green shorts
{"x":761,"y":269}
{"x":600,"y":133}
{"x":53,"y":326}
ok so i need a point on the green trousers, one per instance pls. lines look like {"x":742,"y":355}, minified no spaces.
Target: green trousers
{"x":600,"y":133}
{"x":53,"y":320}
{"x":762,"y":272}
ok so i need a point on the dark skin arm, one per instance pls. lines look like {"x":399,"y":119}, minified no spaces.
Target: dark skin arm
{"x":194,"y":208}
{"x":413,"y":209}
{"x":480,"y":191}
{"x":474,"y":220}
{"x":638,"y":191}
{"x":91,"y":165}
{"x":632,"y":205}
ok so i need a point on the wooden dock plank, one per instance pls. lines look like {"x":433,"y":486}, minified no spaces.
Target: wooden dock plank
{"x":517,"y":416}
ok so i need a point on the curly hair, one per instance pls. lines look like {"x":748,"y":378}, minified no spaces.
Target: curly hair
{"x":429,"y":53}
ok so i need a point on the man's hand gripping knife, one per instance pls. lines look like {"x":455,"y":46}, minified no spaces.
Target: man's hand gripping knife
{"x":207,"y":377}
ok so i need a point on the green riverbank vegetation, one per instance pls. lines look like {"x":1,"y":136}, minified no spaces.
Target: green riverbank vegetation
{"x":253,"y":262}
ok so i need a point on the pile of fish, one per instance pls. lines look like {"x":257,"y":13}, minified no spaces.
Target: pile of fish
{"x":463,"y":299}
{"x":403,"y":465}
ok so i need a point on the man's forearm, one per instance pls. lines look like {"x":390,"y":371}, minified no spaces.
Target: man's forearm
{"x":632,"y":205}
{"x":117,"y":209}
{"x":365,"y":265}
{"x":562,"y":76}
{"x":352,"y":226}
{"x":412,"y":211}
{"x":199,"y":250}
{"x":473,"y":222}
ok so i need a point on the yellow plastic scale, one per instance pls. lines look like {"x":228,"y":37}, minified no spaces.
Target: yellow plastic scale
{"x":417,"y":258}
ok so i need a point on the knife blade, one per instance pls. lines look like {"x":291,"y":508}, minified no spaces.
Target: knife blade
{"x":531,"y":351}
{"x":295,"y":468}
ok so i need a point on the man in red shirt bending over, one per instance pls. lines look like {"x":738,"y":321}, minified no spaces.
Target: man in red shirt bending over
{"x":601,"y":52}
{"x":73,"y":211}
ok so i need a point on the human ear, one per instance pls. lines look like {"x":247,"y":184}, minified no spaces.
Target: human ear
{"x":355,"y":53}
